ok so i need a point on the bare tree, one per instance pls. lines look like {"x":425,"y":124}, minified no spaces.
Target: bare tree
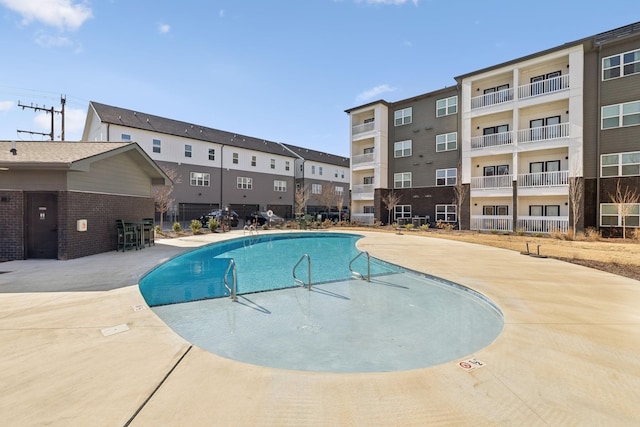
{"x":162,"y":193}
{"x":624,"y":201}
{"x":302,"y":196}
{"x":576,"y":191}
{"x":327,"y":196}
{"x":459,"y":193}
{"x":390,"y":200}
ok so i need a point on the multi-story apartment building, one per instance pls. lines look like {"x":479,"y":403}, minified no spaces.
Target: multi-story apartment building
{"x":541,"y":141}
{"x":214,"y":168}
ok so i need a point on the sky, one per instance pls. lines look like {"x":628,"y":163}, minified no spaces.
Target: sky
{"x":280,"y":70}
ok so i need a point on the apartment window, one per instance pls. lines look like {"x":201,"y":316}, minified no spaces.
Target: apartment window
{"x":199,"y":179}
{"x":157,"y":146}
{"x":342,"y":174}
{"x":339,"y":191}
{"x":491,"y":210}
{"x":495,"y":170}
{"x":402,"y":180}
{"x":502,"y":94}
{"x":254,"y":161}
{"x":301,"y":167}
{"x":620,"y":164}
{"x":335,"y":175}
{"x":316,"y":188}
{"x":244,"y":183}
{"x":620,"y":115}
{"x":212,"y":153}
{"x":402,"y":149}
{"x":446,"y":176}
{"x":403,"y":117}
{"x":313,"y":170}
{"x":368,"y":209}
{"x":446,"y":213}
{"x":544,"y":210}
{"x":319,"y":170}
{"x":447,"y":141}
{"x":234,"y":158}
{"x":621,"y":65}
{"x":187,"y":150}
{"x":402,"y":211}
{"x":368,"y":150}
{"x":446,"y":106}
{"x":273,"y":164}
{"x":611,"y":214}
{"x":280,"y":186}
{"x":125,"y":137}
{"x":287,"y":165}
{"x":367,"y":180}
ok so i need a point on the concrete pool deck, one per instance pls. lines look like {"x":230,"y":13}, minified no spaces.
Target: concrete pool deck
{"x":80,"y":347}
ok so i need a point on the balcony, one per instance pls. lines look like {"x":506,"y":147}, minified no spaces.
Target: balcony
{"x":543,"y":87}
{"x":362,"y":192}
{"x":362,"y":218}
{"x":544,"y":133}
{"x":362,"y":159}
{"x":543,"y":179}
{"x":362,"y":128}
{"x":493,"y":98}
{"x":543,"y":224}
{"x":492,"y":182}
{"x":493,"y":140}
{"x":491,"y":222}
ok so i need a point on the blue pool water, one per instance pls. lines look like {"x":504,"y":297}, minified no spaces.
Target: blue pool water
{"x":399,"y":320}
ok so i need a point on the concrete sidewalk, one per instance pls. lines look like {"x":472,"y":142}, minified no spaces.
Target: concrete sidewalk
{"x":567,"y":354}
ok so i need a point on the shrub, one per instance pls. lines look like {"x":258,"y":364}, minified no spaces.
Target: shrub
{"x":213,"y":224}
{"x":176,"y":227}
{"x":592,"y":234}
{"x":196,"y":226}
{"x":424,"y":227}
{"x":446,"y":226}
{"x":409,"y":226}
{"x":520,"y":232}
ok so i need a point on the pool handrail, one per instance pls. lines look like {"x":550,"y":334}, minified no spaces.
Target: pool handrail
{"x":233,"y":290}
{"x":357,"y":274}
{"x":295,"y":278}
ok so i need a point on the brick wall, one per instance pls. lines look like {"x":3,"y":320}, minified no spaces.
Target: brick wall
{"x":11,"y":225}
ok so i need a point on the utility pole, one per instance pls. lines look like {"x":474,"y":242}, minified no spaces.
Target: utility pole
{"x":51,"y":111}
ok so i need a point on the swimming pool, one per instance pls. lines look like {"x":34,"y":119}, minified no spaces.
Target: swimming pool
{"x":400,"y":320}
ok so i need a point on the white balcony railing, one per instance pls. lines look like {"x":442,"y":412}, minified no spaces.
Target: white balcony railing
{"x":543,"y":224}
{"x":362,"y":128}
{"x":554,"y":84}
{"x":362,"y":218}
{"x":493,"y":140}
{"x":363,"y":188}
{"x":544,"y":133}
{"x":491,"y":182}
{"x":362,"y":159}
{"x":492,"y":222}
{"x":493,"y":98}
{"x":543,"y":179}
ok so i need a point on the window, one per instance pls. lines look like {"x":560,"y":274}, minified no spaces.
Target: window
{"x":446,"y":106}
{"x":447,"y":141}
{"x":342,"y":174}
{"x":611,"y":214}
{"x":280,"y":186}
{"x":313,"y":170}
{"x":495,"y":210}
{"x":244,"y":183}
{"x":157,"y":146}
{"x":125,"y":137}
{"x":402,"y":149}
{"x":199,"y":179}
{"x":544,"y":210}
{"x":368,"y":150}
{"x":319,"y":170}
{"x":287,"y":165}
{"x":446,"y":176}
{"x":446,"y":213}
{"x":620,"y":164}
{"x":402,"y":180}
{"x":402,"y":211}
{"x":368,"y":209}
{"x":235,"y":158}
{"x":544,"y":128}
{"x":212,"y":153}
{"x":620,"y":115}
{"x":187,"y":150}
{"x":621,"y":65}
{"x":367,"y":180}
{"x":253,"y":160}
{"x":273,"y":164}
{"x":335,"y":175}
{"x":316,"y":188}
{"x":403,"y":117}
{"x":339,"y":191}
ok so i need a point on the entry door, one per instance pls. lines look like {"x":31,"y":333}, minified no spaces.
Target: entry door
{"x":42,"y":225}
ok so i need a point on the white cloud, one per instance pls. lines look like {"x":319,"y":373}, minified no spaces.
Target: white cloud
{"x":63,"y":14}
{"x":164,"y":28}
{"x":394,"y":2}
{"x":73,"y":123}
{"x":374,"y":92}
{"x":46,"y":40}
{"x":6,"y":105}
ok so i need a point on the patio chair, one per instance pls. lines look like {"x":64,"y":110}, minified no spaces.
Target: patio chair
{"x":148,"y":232}
{"x":127,"y":236}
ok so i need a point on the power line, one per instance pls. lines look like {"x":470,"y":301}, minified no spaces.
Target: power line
{"x":51,"y":111}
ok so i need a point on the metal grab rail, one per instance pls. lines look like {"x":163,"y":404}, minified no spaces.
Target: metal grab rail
{"x":232,"y":291}
{"x":368,"y":266}
{"x":295,"y":278}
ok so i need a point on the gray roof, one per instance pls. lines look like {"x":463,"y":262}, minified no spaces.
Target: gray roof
{"x":318,"y":156}
{"x":151,"y":123}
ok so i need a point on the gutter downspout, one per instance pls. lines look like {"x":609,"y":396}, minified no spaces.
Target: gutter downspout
{"x":221,"y":172}
{"x":598,"y":138}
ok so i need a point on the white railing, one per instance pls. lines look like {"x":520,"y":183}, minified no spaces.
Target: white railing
{"x":492,"y":222}
{"x":554,"y":84}
{"x":363,"y":188}
{"x":543,"y":224}
{"x":364,"y":127}
{"x":362,"y":218}
{"x":493,"y":98}
{"x":493,"y":140}
{"x":543,"y":179}
{"x":544,"y":133}
{"x":362,"y":158}
{"x":491,"y":182}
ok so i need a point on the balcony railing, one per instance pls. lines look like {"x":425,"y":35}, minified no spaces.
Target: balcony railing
{"x":362,"y":218}
{"x":543,"y":179}
{"x":543,"y":224}
{"x":491,"y":182}
{"x":362,"y":158}
{"x":493,"y":98}
{"x":363,"y":188}
{"x":364,"y":127}
{"x":492,"y":222}
{"x":544,"y":133}
{"x":493,"y":140}
{"x":554,"y":84}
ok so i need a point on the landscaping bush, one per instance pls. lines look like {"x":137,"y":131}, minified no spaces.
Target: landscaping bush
{"x":176,"y":227}
{"x":196,"y":226}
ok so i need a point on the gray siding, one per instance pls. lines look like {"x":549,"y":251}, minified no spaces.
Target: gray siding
{"x":115,"y":175}
{"x":29,"y":180}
